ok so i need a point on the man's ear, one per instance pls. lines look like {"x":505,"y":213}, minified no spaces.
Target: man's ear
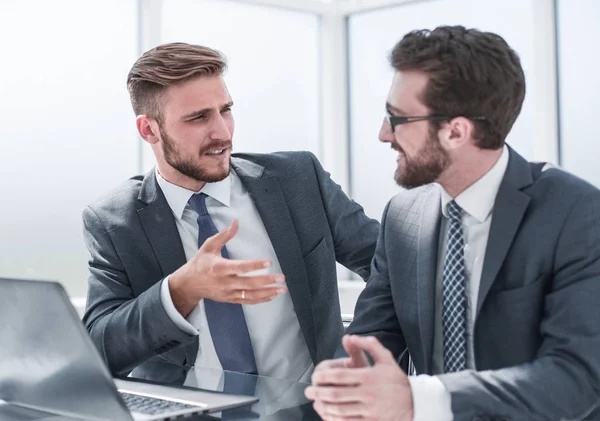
{"x":147,"y":128}
{"x":457,"y":133}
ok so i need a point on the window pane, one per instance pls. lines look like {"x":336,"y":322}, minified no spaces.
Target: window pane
{"x":372,"y":36}
{"x":67,"y":131}
{"x":272,"y":77}
{"x":579,"y":88}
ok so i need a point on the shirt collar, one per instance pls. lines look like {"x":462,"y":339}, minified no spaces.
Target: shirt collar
{"x":178,"y":197}
{"x":478,"y":199}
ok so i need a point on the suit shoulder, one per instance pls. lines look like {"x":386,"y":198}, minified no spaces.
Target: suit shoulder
{"x":407,"y":199}
{"x":558,"y":182}
{"x":283,"y":160}
{"x":119,"y":198}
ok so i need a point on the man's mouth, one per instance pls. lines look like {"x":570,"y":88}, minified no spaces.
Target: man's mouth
{"x":215,"y":152}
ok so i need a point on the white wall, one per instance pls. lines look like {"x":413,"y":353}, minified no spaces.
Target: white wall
{"x":66,"y":129}
{"x":579,"y":46}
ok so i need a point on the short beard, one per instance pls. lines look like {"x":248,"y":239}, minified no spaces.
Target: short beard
{"x":426,"y":167}
{"x":186,"y":166}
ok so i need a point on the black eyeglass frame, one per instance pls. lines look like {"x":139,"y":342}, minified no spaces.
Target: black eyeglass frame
{"x":397,"y":121}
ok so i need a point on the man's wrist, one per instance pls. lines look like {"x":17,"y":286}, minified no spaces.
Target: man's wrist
{"x":180,"y":298}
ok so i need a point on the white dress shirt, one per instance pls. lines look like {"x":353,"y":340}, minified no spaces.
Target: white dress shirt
{"x":279,"y":347}
{"x":431,"y":400}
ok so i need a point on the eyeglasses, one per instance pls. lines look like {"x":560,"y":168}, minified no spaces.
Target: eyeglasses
{"x":396,"y":121}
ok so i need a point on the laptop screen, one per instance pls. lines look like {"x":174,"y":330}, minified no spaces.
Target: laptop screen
{"x":47,"y":360}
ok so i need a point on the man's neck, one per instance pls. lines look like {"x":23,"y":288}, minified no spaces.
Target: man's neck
{"x":175,"y":177}
{"x":472,"y":166}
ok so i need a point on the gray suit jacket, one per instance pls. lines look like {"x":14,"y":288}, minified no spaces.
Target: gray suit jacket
{"x":537,"y":326}
{"x":134,"y":243}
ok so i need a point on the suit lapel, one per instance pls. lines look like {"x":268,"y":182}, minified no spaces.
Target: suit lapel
{"x":509,"y":208}
{"x":427,"y":256}
{"x":159,"y":225}
{"x":272,"y":207}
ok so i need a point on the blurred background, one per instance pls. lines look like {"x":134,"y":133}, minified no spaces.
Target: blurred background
{"x":304,"y":75}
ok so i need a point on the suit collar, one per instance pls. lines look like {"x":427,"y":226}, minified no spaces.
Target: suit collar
{"x":149,"y":191}
{"x":178,"y":197}
{"x":518,"y":172}
{"x":247,"y":169}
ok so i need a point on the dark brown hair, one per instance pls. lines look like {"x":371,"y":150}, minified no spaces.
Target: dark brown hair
{"x":166,"y":65}
{"x":471,"y":73}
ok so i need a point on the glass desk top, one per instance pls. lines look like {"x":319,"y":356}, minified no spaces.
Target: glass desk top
{"x":279,"y":400}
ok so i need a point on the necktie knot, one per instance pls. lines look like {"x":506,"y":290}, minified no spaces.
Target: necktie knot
{"x":454,"y":211}
{"x":198,"y":203}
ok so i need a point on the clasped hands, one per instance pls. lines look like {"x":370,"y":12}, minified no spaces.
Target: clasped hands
{"x":352,"y":389}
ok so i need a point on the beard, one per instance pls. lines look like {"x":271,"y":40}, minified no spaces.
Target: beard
{"x":187,"y":166}
{"x":426,"y":167}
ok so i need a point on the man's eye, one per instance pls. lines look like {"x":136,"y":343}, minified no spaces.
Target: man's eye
{"x":198,"y":117}
{"x":226,"y":110}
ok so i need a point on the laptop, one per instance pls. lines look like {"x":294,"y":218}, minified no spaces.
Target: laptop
{"x":51,"y":370}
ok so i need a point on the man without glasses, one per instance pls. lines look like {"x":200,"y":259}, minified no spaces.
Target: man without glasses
{"x":212,"y":259}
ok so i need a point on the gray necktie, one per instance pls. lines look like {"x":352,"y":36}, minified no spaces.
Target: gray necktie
{"x":454,"y":307}
{"x":226,"y":321}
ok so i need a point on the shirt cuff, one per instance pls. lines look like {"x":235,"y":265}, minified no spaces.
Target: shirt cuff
{"x":174,"y":315}
{"x":431,"y":400}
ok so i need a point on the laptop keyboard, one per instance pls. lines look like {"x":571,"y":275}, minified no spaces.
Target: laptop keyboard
{"x":152,"y":406}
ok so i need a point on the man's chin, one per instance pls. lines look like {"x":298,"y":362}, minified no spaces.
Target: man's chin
{"x":216,"y":177}
{"x":205,"y":175}
{"x":407,"y":182}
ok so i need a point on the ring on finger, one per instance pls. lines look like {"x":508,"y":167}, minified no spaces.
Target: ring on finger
{"x":243,"y":294}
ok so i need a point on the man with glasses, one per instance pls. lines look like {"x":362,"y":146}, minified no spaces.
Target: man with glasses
{"x":487,"y":269}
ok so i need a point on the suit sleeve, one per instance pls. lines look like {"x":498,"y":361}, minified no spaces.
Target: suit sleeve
{"x":375,"y":314}
{"x":563,"y":382}
{"x":354,"y":233}
{"x":127,"y":330}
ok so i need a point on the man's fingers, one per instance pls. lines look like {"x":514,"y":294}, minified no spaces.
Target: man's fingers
{"x":337,"y":363}
{"x":339,"y":377}
{"x":335,"y":394}
{"x":371,"y":345}
{"x":259,"y":281}
{"x":341,"y":412}
{"x":357,"y":356}
{"x":254,"y":296}
{"x":238,"y":267}
{"x":215,"y":243}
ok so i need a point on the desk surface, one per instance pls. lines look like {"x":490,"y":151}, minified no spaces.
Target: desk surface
{"x":279,"y":400}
